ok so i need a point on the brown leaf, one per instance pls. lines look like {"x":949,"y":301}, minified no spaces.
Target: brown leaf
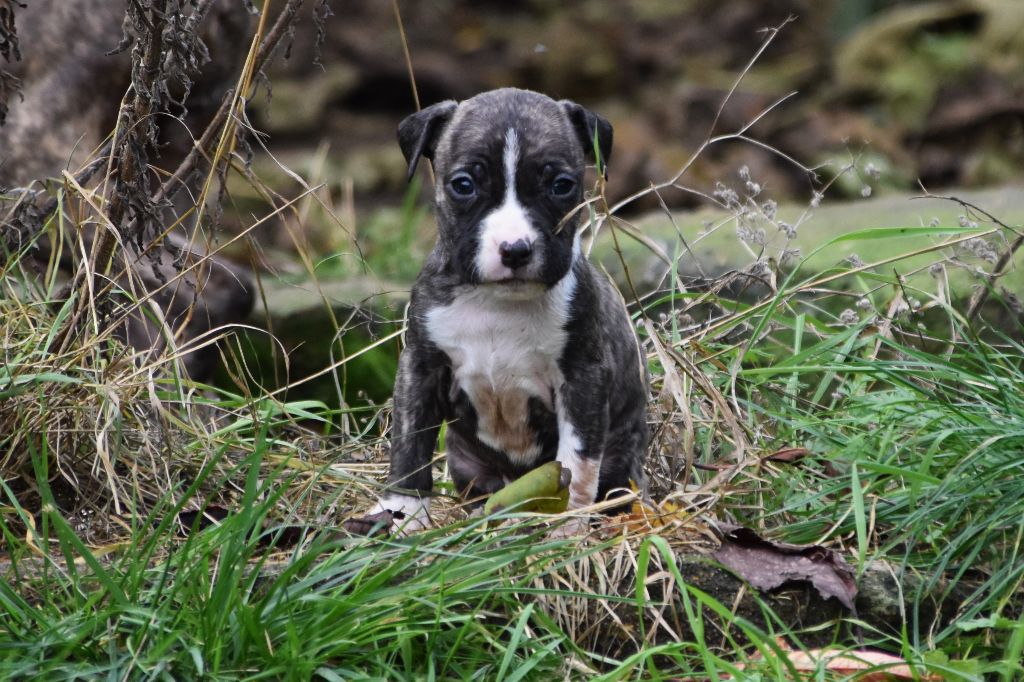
{"x":791,"y":455}
{"x":889,"y":667}
{"x":200,"y":518}
{"x":372,"y":524}
{"x":788,"y":455}
{"x":767,"y":565}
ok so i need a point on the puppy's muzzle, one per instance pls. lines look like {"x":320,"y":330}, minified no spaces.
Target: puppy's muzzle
{"x":516,"y":254}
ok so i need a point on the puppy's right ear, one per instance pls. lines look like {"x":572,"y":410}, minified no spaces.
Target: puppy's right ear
{"x":418,"y":133}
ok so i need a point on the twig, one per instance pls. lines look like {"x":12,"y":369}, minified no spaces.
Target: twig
{"x":170,"y":187}
{"x":131,"y":145}
{"x":405,"y":51}
{"x":980,"y":297}
{"x":772,"y":32}
{"x":9,"y":85}
{"x":132,"y":162}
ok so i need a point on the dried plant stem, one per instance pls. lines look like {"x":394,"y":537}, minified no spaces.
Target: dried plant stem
{"x":405,"y":51}
{"x":9,"y":85}
{"x":139,"y":110}
{"x":134,"y":141}
{"x":980,"y":297}
{"x":131,"y":157}
{"x":204,"y":144}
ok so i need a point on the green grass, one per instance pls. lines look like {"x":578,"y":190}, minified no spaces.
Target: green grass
{"x":929,"y":445}
{"x":915,"y":461}
{"x":913,"y":419}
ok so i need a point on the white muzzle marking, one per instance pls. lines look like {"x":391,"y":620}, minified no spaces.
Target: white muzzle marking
{"x":507,"y":224}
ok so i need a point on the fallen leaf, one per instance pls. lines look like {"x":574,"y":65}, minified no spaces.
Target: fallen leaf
{"x":788,"y":455}
{"x":372,"y":524}
{"x":207,"y":516}
{"x":543,"y":489}
{"x":648,"y":516}
{"x":767,"y":565}
{"x":283,"y":537}
{"x":882,"y":667}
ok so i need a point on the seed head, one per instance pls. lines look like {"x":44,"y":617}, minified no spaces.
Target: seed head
{"x":789,"y":255}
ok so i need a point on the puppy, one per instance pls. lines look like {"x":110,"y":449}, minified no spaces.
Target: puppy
{"x":514,"y":339}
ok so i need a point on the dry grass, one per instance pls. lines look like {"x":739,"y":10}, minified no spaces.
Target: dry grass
{"x":91,"y":425}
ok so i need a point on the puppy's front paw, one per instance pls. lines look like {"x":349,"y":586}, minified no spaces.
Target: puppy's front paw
{"x":408,"y":513}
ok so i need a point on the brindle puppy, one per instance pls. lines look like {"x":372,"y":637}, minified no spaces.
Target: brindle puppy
{"x":514,"y":338}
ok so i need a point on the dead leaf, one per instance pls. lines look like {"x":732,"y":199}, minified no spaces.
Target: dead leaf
{"x":372,"y":524}
{"x":883,"y":667}
{"x":206,"y":517}
{"x":767,"y":565}
{"x":648,"y":516}
{"x":788,"y":455}
{"x":792,"y":455}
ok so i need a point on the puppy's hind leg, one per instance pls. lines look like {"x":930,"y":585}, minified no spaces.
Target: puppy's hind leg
{"x":474,"y":477}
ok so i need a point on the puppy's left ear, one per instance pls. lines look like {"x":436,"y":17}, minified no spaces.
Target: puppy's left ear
{"x":418,"y":134}
{"x":589,"y":125}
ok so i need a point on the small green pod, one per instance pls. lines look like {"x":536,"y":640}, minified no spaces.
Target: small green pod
{"x":544,"y":489}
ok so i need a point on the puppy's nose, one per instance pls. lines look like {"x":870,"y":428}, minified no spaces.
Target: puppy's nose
{"x":516,"y":254}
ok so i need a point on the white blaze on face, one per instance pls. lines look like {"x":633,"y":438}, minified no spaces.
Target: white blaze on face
{"x":508,"y":223}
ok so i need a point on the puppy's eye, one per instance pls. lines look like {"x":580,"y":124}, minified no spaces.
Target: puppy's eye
{"x":462,"y":185}
{"x":563,"y":186}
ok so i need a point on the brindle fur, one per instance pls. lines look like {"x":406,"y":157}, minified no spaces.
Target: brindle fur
{"x":604,"y":390}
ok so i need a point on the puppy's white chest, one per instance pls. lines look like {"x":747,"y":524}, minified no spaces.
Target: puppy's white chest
{"x":503,"y":353}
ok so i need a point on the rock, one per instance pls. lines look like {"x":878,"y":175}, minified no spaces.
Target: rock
{"x":311,"y":326}
{"x":721,"y":251}
{"x":301,"y":106}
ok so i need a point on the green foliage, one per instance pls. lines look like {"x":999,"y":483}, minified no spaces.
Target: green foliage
{"x":914,"y":459}
{"x":911,"y":413}
{"x":926,"y":444}
{"x":222,"y":604}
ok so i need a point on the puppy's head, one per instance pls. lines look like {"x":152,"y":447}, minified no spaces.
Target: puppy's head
{"x":508,"y":167}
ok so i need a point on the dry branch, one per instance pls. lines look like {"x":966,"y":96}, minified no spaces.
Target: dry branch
{"x":132,"y":207}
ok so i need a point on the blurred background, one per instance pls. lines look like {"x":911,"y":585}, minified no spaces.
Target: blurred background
{"x":928,"y":91}
{"x":869,"y":101}
{"x":904,"y":92}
